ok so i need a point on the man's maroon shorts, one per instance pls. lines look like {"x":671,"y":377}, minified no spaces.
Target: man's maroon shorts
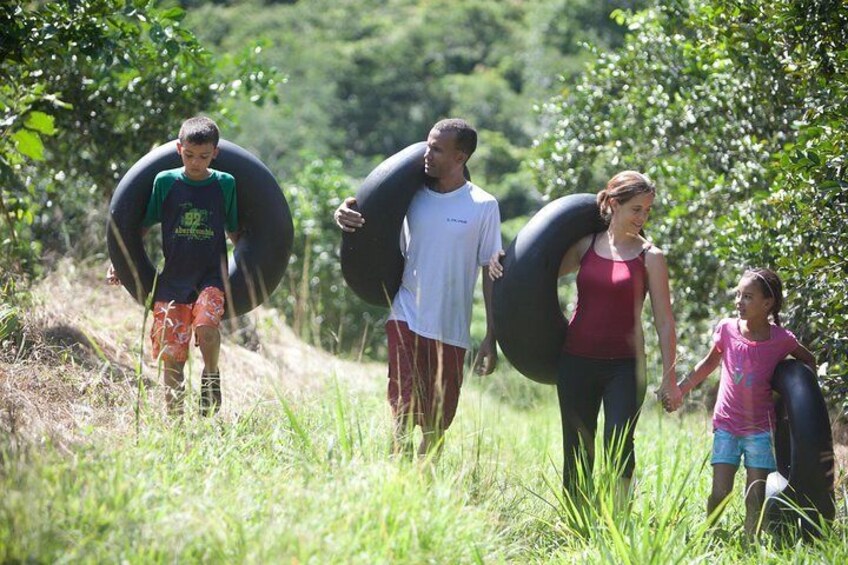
{"x":425,"y":376}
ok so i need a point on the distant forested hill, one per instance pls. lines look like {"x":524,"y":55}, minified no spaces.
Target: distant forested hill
{"x":368,"y":77}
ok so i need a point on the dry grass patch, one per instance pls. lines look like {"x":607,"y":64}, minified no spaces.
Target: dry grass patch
{"x":75,"y":372}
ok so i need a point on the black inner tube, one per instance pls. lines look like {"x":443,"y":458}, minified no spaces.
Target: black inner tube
{"x":372,"y":264}
{"x":529,"y":323}
{"x":261,"y":256}
{"x":803,"y":449}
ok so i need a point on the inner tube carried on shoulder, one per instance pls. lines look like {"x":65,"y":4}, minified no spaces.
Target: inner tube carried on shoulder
{"x":801,"y":492}
{"x":372,"y":264}
{"x":529,"y":323}
{"x":262,"y":253}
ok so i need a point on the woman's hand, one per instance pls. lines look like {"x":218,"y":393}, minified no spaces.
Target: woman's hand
{"x":670,"y":395}
{"x":496,"y":269}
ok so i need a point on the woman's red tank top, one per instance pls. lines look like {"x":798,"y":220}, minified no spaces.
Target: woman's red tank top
{"x":604,"y":322}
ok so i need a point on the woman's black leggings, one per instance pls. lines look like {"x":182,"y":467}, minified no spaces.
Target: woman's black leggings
{"x":582,"y":384}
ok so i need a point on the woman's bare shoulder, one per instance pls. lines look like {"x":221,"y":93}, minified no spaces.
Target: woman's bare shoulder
{"x":654,"y":255}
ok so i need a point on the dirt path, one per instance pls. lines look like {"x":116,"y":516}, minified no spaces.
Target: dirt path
{"x":75,"y":373}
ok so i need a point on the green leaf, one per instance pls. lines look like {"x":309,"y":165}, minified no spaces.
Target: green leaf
{"x":40,"y":122}
{"x":9,"y":321}
{"x":175,"y":14}
{"x":830,"y":185}
{"x":618,"y":16}
{"x":53,"y":99}
{"x":29,"y":144}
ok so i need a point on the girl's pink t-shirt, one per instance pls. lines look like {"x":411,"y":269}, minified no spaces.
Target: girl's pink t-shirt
{"x":745,"y":405}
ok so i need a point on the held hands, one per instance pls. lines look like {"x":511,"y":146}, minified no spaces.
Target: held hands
{"x":670,"y":395}
{"x":487,"y":357}
{"x":346,"y":217}
{"x":496,"y":269}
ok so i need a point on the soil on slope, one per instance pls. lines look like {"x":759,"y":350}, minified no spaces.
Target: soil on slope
{"x":75,"y":374}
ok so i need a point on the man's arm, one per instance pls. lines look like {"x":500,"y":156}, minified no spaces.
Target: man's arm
{"x":487,"y":356}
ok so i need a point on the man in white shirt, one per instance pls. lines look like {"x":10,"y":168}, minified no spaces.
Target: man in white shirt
{"x":451,"y":228}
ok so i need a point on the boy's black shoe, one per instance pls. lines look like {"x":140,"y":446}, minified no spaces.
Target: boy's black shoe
{"x":210,"y":393}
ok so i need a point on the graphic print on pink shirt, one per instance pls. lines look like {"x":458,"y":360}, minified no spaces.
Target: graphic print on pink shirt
{"x":746,"y":371}
{"x":745,"y":405}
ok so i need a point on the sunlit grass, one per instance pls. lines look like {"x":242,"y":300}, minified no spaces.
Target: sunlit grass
{"x":310,"y":480}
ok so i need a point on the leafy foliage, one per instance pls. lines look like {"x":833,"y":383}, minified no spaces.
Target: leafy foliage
{"x":737,"y":109}
{"x":93,"y":84}
{"x":320,"y":308}
{"x":369,"y":77}
{"x":88,"y":88}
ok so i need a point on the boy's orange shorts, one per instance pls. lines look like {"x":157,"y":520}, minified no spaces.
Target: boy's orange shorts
{"x":173,"y":323}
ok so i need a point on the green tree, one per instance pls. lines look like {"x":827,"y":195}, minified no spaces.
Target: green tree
{"x":369,"y":77}
{"x":801,"y":220}
{"x":319,"y":307}
{"x":737,"y":110}
{"x":89,"y":87}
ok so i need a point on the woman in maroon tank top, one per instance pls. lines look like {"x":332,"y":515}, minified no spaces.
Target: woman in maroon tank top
{"x":603,"y":354}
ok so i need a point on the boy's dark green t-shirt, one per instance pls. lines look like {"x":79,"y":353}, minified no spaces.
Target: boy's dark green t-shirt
{"x":194,"y":216}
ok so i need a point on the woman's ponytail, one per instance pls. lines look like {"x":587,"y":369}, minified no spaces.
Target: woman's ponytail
{"x":603,"y":200}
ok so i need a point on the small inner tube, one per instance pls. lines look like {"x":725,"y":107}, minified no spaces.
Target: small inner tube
{"x":372,"y":264}
{"x":529,"y":323}
{"x":803,"y":449}
{"x":259,"y":259}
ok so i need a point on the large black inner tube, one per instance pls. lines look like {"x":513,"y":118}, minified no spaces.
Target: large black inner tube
{"x":372,"y":264}
{"x":529,"y":323}
{"x":803,"y":448}
{"x":262,"y":254}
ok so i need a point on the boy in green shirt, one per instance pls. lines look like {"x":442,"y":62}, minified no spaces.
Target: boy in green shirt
{"x":197,"y":208}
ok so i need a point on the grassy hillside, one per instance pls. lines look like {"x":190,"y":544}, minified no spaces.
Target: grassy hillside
{"x":295,"y":468}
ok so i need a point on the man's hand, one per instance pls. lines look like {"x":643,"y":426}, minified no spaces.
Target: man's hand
{"x":346,"y":217}
{"x":487,"y":357}
{"x":111,"y":276}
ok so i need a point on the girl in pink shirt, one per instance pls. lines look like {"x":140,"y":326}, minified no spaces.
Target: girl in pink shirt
{"x":748,"y":348}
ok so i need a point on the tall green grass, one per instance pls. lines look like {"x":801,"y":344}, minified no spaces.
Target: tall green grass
{"x":298,"y":479}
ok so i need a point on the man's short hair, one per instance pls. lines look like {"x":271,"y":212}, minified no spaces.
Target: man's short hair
{"x":199,"y":130}
{"x":466,"y":136}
